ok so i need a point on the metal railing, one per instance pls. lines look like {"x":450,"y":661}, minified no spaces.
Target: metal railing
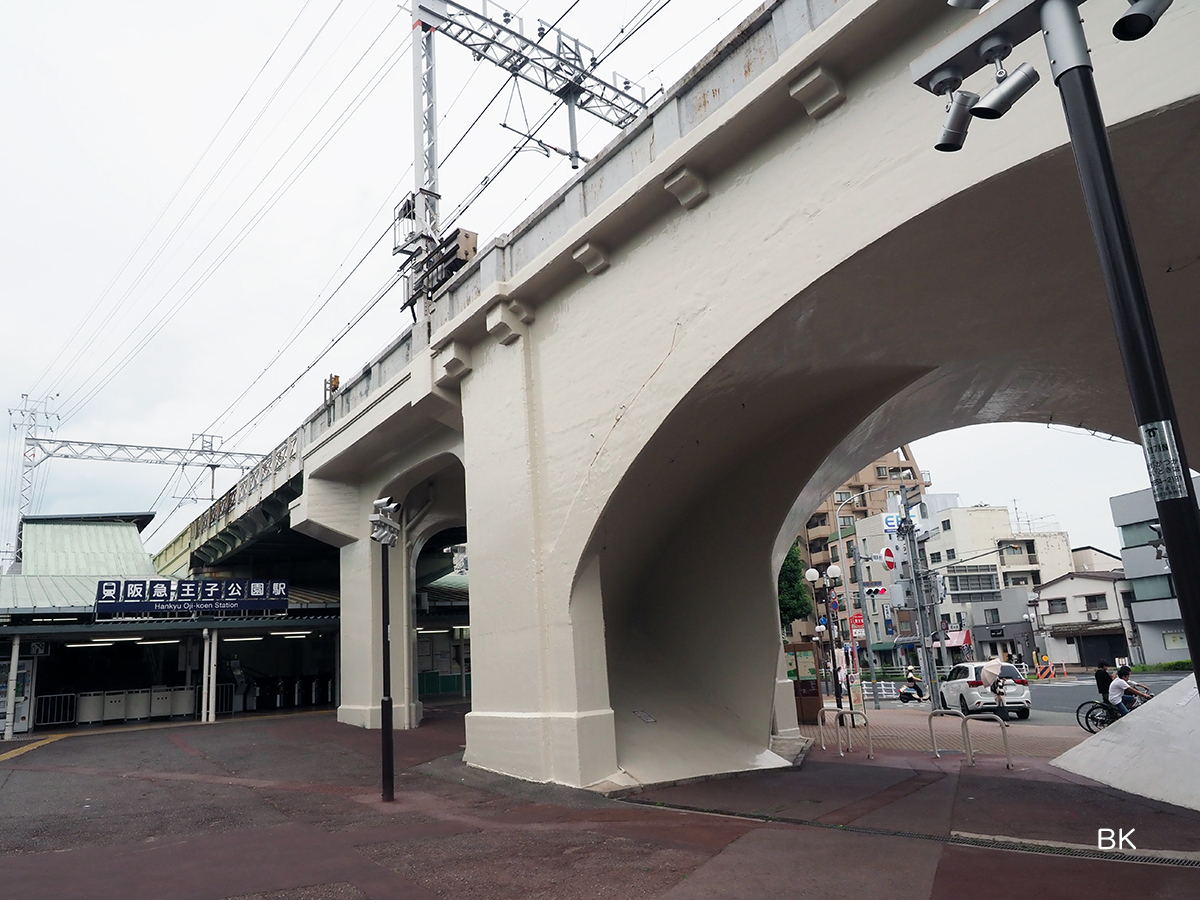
{"x":965,"y":728}
{"x":840,"y":724}
{"x":54,"y":709}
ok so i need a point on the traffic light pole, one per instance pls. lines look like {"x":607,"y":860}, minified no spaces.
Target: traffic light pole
{"x":862,"y":602}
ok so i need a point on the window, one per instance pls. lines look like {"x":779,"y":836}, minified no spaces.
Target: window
{"x":935,"y":557}
{"x":946,"y":620}
{"x":787,"y":629}
{"x":881,"y":472}
{"x":945,"y":524}
{"x":842,"y":496}
{"x":854,"y":573}
{"x":833,"y":553}
{"x":991,"y":616}
{"x":984,"y":581}
{"x":1015,"y":580}
{"x":819,"y":520}
{"x":1096,"y":601}
{"x":950,"y":553}
{"x":905,"y":625}
{"x":845,"y":521}
{"x":876,"y":626}
{"x":1057,"y":605}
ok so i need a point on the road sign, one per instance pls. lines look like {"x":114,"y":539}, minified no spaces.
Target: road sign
{"x":822,"y":620}
{"x":856,"y":620}
{"x":889,"y":558}
{"x":833,"y":604}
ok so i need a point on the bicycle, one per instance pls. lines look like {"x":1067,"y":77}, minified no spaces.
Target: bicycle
{"x":1100,"y":714}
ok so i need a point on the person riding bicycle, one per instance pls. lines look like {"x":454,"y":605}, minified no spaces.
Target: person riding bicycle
{"x":1103,"y":679}
{"x":913,"y":680}
{"x":1120,"y":688}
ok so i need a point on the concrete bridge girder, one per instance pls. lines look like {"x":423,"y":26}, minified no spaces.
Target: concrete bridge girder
{"x":638,"y":456}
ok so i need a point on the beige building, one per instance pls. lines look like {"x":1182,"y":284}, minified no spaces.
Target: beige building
{"x":862,"y":496}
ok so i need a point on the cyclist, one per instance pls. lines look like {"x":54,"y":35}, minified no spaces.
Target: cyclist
{"x":1119,"y":688}
{"x":1103,"y":679}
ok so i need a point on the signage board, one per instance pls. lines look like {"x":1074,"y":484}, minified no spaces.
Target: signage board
{"x":891,"y":523}
{"x":206,"y":597}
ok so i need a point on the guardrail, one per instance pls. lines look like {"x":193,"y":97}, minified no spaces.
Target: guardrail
{"x":885,"y":690}
{"x":965,"y":728}
{"x":840,"y":723}
{"x":54,"y":709}
{"x":990,"y":717}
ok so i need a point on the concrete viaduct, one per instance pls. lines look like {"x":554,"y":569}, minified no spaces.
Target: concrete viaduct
{"x":633,"y":401}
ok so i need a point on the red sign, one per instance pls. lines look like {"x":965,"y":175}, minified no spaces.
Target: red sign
{"x":856,"y":620}
{"x":889,"y":558}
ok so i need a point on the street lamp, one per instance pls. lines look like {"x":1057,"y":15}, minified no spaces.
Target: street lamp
{"x":385,"y":531}
{"x":813,"y":576}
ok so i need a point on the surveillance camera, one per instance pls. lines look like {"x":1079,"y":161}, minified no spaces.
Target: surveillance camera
{"x":1137,"y":21}
{"x":958,"y":117}
{"x":968,"y":4}
{"x":1000,"y":99}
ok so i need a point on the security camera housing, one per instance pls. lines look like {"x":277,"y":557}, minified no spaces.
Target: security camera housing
{"x":1000,"y":99}
{"x":1137,"y":21}
{"x":958,"y":119}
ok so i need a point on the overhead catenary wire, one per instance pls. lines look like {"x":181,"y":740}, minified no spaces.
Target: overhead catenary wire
{"x":83,"y":322}
{"x":98,"y":330}
{"x":269,"y":204}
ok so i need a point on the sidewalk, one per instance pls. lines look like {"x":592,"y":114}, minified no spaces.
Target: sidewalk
{"x":289,"y":807}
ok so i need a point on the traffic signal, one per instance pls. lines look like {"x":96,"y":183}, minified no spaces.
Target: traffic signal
{"x":876,"y":592}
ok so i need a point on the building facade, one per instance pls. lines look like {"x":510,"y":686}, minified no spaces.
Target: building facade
{"x":1154,"y":611}
{"x":1083,"y":618}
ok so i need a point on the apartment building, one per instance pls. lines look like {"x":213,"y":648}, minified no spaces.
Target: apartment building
{"x":862,"y":496}
{"x":1154,"y":611}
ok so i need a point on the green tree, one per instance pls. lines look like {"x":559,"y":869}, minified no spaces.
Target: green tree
{"x":794,"y":600}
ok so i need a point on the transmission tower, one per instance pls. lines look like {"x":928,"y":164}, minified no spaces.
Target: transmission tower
{"x":33,"y":419}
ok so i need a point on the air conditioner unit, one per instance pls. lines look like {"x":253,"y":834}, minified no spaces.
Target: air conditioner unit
{"x":1093,"y":616}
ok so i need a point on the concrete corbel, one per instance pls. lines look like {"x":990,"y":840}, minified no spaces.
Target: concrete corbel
{"x":689,"y":187}
{"x":503,"y":324}
{"x":451,"y":364}
{"x":522,"y":311}
{"x":591,"y":256}
{"x":818,"y":91}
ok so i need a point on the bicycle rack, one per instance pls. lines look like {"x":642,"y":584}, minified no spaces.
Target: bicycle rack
{"x":966,"y":734}
{"x":990,"y":717}
{"x":840,"y":723}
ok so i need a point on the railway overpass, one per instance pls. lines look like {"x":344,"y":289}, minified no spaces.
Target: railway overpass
{"x":633,"y":402}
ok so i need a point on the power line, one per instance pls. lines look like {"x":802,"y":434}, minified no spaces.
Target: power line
{"x":96,"y":332}
{"x":83,"y":322}
{"x":269,"y":204}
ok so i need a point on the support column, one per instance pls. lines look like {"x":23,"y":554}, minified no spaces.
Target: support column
{"x":540,"y":706}
{"x":204,"y":678}
{"x":10,"y":705}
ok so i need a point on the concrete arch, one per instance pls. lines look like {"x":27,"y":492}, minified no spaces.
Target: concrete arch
{"x":690,"y":541}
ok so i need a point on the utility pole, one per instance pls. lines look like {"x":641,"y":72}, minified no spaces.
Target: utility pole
{"x":908,"y":531}
{"x":386,"y":531}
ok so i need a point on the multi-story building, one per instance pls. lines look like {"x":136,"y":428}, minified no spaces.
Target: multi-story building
{"x":1154,"y":611}
{"x":1083,"y":618}
{"x":988,"y":570}
{"x":862,"y":496}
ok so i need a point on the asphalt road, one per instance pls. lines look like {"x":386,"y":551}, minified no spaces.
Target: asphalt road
{"x":1055,"y":701}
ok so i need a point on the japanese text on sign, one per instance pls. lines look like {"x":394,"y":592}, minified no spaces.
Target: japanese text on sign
{"x":203,"y":597}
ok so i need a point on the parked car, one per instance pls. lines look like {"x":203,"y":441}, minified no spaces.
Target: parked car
{"x":963,"y":688}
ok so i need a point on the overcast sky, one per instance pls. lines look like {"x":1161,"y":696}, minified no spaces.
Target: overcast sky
{"x":184,"y":187}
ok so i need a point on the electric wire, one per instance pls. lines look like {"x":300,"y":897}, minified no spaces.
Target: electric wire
{"x":87,"y":317}
{"x":97,"y":332}
{"x":269,"y":204}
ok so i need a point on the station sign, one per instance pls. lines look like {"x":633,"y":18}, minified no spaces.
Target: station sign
{"x":891,"y":523}
{"x":209,"y":597}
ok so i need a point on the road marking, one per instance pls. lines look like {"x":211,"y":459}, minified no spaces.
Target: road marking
{"x":12,"y":754}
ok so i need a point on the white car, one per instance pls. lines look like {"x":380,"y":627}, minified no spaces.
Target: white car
{"x":963,"y":689}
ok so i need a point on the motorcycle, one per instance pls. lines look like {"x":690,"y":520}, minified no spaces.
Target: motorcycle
{"x":910,"y":694}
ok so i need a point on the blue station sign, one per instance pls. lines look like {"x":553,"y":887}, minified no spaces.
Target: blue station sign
{"x":206,"y":597}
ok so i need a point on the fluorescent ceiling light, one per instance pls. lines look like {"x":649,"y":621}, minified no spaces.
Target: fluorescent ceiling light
{"x":94,"y":644}
{"x":290,"y":633}
{"x":115,"y":639}
{"x":148,"y":643}
{"x":228,"y":640}
{"x":291,"y":637}
{"x":433,"y":631}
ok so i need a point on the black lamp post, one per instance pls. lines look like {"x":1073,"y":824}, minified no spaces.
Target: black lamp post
{"x":385,"y":531}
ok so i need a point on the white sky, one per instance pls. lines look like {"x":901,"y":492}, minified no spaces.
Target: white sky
{"x":119,"y":230}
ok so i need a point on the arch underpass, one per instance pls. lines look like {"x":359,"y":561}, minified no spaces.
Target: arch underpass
{"x":640,"y":394}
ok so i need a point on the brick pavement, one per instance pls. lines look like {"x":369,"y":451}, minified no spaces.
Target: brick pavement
{"x":288,"y":809}
{"x":908,"y":729}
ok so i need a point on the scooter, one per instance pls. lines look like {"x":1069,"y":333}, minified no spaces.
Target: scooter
{"x":910,"y":694}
